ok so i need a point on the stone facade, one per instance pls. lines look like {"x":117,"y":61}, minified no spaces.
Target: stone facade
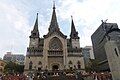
{"x":54,"y":51}
{"x":113,"y":55}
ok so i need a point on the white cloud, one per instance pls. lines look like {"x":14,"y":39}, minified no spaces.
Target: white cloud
{"x":15,"y":26}
{"x":17,"y":19}
{"x":43,"y":25}
{"x":89,"y":13}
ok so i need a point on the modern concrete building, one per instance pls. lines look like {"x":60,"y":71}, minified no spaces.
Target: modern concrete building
{"x":98,"y":43}
{"x":54,"y":51}
{"x":18,"y":58}
{"x":87,"y":54}
{"x":7,"y":56}
{"x":112,"y":49}
{"x":90,"y":51}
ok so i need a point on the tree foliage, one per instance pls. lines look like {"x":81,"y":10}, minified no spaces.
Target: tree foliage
{"x":12,"y":67}
{"x":93,"y":65}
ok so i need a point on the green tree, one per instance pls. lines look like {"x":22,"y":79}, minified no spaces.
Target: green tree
{"x":93,"y":65}
{"x":12,"y":67}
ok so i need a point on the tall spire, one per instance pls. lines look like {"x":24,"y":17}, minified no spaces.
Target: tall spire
{"x":36,"y":24}
{"x":74,"y":33}
{"x":53,"y":24}
{"x":35,"y":31}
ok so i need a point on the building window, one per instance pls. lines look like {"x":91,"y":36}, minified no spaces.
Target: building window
{"x":74,"y":66}
{"x":116,"y":52}
{"x":39,"y":68}
{"x":39,"y":63}
{"x":78,"y":64}
{"x":70,"y":65}
{"x":30,"y":65}
{"x":55,"y":44}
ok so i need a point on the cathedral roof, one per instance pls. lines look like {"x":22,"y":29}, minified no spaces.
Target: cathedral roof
{"x":54,"y":27}
{"x":74,"y":33}
{"x":35,"y":31}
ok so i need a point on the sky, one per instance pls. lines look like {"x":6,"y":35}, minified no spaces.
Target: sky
{"x":17,"y":18}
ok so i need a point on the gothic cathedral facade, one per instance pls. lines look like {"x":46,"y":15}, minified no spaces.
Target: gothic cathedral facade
{"x":54,"y":51}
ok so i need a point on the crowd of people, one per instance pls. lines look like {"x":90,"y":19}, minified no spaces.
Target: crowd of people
{"x":98,"y":76}
{"x":13,"y":77}
{"x":85,"y":76}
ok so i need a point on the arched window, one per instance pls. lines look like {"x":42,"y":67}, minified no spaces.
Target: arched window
{"x":39,"y":63}
{"x":78,"y":64}
{"x":55,"y":44}
{"x":39,"y":68}
{"x":30,"y":65}
{"x":74,"y":66}
{"x":70,"y":65}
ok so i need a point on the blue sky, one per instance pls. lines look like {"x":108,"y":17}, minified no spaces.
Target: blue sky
{"x":17,"y":18}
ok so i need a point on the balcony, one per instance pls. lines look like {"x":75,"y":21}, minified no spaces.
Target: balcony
{"x":55,"y":53}
{"x":75,"y":55}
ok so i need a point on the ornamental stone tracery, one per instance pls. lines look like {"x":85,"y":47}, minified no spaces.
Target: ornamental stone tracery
{"x":55,"y":44}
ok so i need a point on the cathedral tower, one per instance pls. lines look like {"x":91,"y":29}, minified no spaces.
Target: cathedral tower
{"x":34,"y":37}
{"x":54,"y":51}
{"x":74,"y":38}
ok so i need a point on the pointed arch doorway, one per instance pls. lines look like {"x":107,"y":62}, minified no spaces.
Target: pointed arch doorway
{"x":55,"y":67}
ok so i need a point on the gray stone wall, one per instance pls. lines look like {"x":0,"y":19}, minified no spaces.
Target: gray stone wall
{"x":113,"y":56}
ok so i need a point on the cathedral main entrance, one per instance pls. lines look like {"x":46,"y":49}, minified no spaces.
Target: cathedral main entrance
{"x":55,"y":67}
{"x":55,"y":63}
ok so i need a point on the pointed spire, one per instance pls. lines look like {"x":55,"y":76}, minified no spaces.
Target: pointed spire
{"x":72,"y":25}
{"x":53,"y":24}
{"x":35,"y":31}
{"x":36,"y":24}
{"x":74,"y":33}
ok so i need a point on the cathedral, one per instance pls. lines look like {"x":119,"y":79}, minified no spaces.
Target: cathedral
{"x":54,"y":51}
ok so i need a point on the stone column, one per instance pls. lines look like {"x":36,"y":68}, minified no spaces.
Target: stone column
{"x":45,"y":54}
{"x":65,"y":54}
{"x":113,"y":56}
